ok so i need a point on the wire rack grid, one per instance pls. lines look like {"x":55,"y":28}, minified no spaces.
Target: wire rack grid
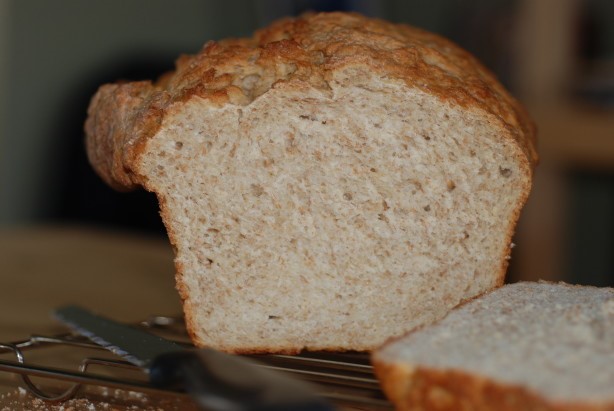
{"x":346,"y":379}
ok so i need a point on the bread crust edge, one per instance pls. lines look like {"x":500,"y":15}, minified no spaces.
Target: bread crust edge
{"x":431,"y":389}
{"x":123,"y":116}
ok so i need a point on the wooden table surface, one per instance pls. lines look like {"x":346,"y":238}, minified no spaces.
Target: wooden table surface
{"x":122,"y":275}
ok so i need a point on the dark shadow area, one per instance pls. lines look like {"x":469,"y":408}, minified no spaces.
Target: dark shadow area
{"x":591,"y":235}
{"x":82,"y":195}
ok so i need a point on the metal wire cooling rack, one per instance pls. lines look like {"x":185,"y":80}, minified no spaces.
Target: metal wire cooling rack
{"x":346,"y":379}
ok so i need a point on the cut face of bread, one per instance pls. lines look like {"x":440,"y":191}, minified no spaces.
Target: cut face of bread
{"x":338,"y":219}
{"x":321,"y":193}
{"x":527,"y":346}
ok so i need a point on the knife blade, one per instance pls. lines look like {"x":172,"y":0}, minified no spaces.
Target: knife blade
{"x":216,"y":381}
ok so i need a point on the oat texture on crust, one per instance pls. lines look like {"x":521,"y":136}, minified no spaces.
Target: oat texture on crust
{"x":328,"y":183}
{"x":308,"y":49}
{"x":526,"y":346}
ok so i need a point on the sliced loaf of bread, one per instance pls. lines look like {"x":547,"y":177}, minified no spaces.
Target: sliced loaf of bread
{"x":526,"y":346}
{"x":328,"y":183}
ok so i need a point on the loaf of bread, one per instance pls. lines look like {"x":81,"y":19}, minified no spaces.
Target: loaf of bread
{"x":327,"y":184}
{"x":522,"y":347}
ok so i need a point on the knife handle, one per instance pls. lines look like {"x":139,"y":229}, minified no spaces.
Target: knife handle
{"x":225,"y":382}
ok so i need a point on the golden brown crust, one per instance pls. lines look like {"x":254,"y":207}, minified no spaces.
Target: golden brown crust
{"x":309,"y":49}
{"x":429,"y":389}
{"x":120,"y":117}
{"x":507,"y":249}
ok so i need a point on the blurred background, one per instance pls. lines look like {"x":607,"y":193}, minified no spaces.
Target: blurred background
{"x":556,"y":56}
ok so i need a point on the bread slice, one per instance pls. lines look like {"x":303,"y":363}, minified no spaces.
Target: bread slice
{"x":327,"y":184}
{"x":526,"y":346}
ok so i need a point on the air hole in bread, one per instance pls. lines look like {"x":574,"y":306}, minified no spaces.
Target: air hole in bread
{"x":382,"y":217}
{"x":505,"y":172}
{"x":257,"y":190}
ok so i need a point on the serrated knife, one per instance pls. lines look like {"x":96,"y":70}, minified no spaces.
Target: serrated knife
{"x":215,"y":380}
